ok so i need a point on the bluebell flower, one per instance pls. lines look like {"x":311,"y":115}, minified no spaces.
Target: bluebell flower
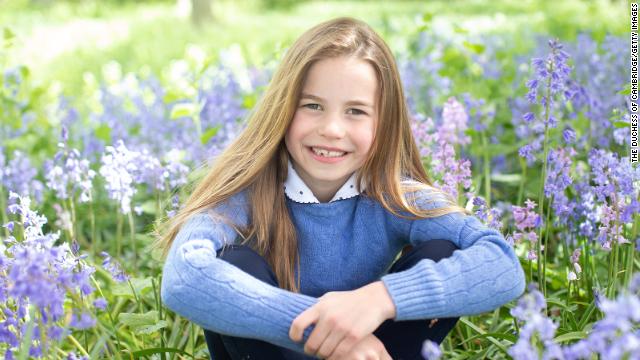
{"x":82,"y":321}
{"x":19,"y":176}
{"x":119,"y":168}
{"x":113,"y":268}
{"x":568,"y":135}
{"x":41,"y":275}
{"x":69,"y":175}
{"x":431,"y":350}
{"x":529,"y":310}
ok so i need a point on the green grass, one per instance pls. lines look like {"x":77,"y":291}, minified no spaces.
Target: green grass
{"x":61,"y":41}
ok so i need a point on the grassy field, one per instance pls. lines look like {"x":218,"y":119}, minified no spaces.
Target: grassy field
{"x":60,"y":41}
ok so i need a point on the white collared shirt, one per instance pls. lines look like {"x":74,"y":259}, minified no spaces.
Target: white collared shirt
{"x":298,"y":191}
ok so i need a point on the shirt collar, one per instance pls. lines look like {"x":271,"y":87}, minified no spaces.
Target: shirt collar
{"x":298,"y":191}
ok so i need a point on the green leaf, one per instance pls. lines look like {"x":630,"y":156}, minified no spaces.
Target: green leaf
{"x":103,"y":132}
{"x":149,"y":329}
{"x":459,"y":29}
{"x":249,"y":100}
{"x":427,"y":17}
{"x":574,"y":335}
{"x":626,"y":90}
{"x":149,"y":207}
{"x":476,"y":48}
{"x":140,"y":285}
{"x":620,"y":124}
{"x":138,"y":320}
{"x":204,"y":139}
{"x":182,"y":110}
{"x":25,"y":73}
{"x":98,"y":346}
{"x":558,"y":302}
{"x":8,"y":34}
{"x":503,"y":149}
{"x":173,"y":95}
{"x":482,"y":332}
{"x":503,"y":336}
{"x":506,"y":178}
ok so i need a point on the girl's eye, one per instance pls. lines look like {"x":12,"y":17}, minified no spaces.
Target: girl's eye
{"x":358,"y":112}
{"x":313,"y":107}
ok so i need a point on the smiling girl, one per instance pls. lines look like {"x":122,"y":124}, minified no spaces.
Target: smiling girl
{"x":318,"y":233}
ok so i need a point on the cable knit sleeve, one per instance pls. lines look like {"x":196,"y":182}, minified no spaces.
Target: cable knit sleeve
{"x":217,"y":295}
{"x":482,"y":275}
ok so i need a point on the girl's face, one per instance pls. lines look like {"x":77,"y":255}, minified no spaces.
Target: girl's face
{"x":334,"y":124}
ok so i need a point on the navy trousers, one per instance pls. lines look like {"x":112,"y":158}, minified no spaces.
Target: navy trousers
{"x":402,"y":339}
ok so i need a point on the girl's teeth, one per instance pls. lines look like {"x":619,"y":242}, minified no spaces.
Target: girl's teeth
{"x":326,"y":153}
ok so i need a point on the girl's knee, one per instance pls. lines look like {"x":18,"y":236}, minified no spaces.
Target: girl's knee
{"x":249,"y":261}
{"x":436,"y":250}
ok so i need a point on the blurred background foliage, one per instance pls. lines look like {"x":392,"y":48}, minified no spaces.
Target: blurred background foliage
{"x":60,"y":40}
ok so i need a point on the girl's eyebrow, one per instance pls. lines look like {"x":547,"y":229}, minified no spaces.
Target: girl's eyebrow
{"x":351,"y":102}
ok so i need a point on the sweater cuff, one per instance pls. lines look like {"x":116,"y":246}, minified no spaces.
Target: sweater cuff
{"x":417,"y":293}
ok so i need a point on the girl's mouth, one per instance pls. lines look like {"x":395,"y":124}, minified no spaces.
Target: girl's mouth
{"x":329,"y":157}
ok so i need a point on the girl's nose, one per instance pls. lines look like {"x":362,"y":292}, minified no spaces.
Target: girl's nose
{"x":332,"y":126}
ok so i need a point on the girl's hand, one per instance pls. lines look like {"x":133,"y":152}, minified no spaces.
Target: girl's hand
{"x":343,"y":319}
{"x":369,"y":348}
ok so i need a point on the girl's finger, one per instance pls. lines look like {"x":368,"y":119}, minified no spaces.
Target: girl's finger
{"x":319,"y":334}
{"x":330,"y":344}
{"x":300,"y":323}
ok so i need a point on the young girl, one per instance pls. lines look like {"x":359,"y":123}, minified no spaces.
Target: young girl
{"x":286,"y":249}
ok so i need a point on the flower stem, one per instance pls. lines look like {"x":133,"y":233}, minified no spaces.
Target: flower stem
{"x":156,"y":295}
{"x":78,"y":345}
{"x":113,"y":323}
{"x":487,"y":170}
{"x":3,"y":207}
{"x":589,"y":268}
{"x":119,"y":233}
{"x":611,"y":290}
{"x":132,"y":229}
{"x":28,"y":335}
{"x":543,"y":179}
{"x":631,"y":251}
{"x":94,"y":239}
{"x":523,"y":164}
{"x":192,"y":337}
{"x":545,"y":246}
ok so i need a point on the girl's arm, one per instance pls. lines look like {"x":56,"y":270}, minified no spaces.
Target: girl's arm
{"x":218,"y":296}
{"x":483,"y":275}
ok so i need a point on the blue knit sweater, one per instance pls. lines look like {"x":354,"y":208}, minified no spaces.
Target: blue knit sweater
{"x":343,"y":245}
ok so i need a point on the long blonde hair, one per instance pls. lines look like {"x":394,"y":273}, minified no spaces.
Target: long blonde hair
{"x":257,"y":159}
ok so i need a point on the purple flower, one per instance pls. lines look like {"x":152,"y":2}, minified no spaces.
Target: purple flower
{"x":612,"y":175}
{"x":82,"y":321}
{"x":41,"y":275}
{"x":424,"y":85}
{"x":119,"y":168}
{"x":454,"y":123}
{"x":68,"y":174}
{"x":536,"y":325}
{"x":449,"y":172}
{"x":19,"y":176}
{"x":491,"y":216}
{"x":526,"y":221}
{"x":569,"y":135}
{"x":72,"y":356}
{"x":528,"y":117}
{"x":100,"y":303}
{"x":615,"y":336}
{"x":431,"y":350}
{"x":599,"y":73}
{"x":114,"y":268}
